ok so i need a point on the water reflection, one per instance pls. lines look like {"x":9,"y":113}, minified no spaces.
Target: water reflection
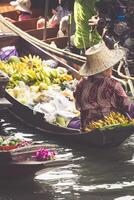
{"x":95,"y":174}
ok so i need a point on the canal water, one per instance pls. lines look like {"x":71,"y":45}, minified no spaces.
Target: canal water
{"x":94,"y":174}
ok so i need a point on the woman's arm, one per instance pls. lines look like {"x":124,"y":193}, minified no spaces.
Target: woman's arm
{"x":122,"y":100}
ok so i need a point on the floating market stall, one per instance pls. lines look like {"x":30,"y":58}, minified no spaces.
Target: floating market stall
{"x":41,"y":91}
{"x":20,"y":158}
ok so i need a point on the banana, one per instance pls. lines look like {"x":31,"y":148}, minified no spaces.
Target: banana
{"x":112,"y":119}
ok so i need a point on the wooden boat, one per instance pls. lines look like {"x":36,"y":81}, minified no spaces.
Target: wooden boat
{"x":17,"y":163}
{"x":98,"y":138}
{"x":60,"y":42}
{"x":29,"y":26}
{"x":37,"y":35}
{"x":5,"y":7}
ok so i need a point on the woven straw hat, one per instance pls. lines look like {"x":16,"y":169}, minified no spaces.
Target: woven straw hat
{"x":22,"y":5}
{"x":100,"y":58}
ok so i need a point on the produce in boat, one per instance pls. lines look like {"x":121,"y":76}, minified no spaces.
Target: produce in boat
{"x":12,"y":142}
{"x":13,"y":59}
{"x":49,"y":90}
{"x":113,"y":120}
{"x":36,"y":83}
{"x":20,"y":148}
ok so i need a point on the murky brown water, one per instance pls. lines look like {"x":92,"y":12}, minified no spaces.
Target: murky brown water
{"x":94,"y":174}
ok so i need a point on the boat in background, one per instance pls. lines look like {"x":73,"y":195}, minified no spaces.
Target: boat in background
{"x":29,"y":26}
{"x":76,"y":61}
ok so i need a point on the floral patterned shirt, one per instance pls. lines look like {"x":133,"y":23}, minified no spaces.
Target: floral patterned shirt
{"x":97,"y":96}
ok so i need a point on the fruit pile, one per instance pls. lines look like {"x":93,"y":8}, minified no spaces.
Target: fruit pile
{"x":34,"y":81}
{"x":31,"y":70}
{"x":8,"y":143}
{"x":113,"y":120}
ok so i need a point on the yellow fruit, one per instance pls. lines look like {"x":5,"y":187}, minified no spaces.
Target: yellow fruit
{"x":34,"y":88}
{"x":43,"y":86}
{"x":112,"y":119}
{"x":47,"y":80}
{"x":60,"y":121}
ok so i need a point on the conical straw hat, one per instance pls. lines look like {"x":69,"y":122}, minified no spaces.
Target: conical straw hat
{"x":22,"y":5}
{"x":100,"y":58}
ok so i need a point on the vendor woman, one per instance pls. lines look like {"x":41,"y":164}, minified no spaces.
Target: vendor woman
{"x":97,"y":93}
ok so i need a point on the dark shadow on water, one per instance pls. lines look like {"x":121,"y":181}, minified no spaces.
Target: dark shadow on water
{"x":24,"y":190}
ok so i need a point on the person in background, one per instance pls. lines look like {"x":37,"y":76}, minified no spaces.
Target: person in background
{"x":97,"y":93}
{"x":23,"y":8}
{"x":65,"y":28}
{"x":54,"y":21}
{"x":83,"y":37}
{"x":40,"y":23}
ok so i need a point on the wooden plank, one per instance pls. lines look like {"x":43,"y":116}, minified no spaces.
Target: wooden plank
{"x":4,"y":103}
{"x":28,"y":24}
{"x":60,"y":42}
{"x":38,"y":33}
{"x":6,"y":7}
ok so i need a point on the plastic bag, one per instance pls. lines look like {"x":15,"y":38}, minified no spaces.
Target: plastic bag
{"x":8,"y":51}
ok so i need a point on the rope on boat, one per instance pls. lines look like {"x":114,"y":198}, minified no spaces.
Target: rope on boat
{"x":41,"y":43}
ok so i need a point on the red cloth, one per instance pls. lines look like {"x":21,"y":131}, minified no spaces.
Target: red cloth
{"x":53,"y":22}
{"x":97,"y":96}
{"x":24,"y":16}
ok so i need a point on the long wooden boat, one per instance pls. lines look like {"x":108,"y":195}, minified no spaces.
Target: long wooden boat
{"x":29,"y":26}
{"x":98,"y":138}
{"x":17,"y":163}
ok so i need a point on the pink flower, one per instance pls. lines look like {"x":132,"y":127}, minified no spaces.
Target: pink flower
{"x":44,"y":154}
{"x":23,"y":143}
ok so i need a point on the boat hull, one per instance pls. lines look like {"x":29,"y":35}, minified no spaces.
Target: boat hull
{"x":96,"y":138}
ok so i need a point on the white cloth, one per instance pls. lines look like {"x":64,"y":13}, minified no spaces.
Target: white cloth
{"x":60,"y":105}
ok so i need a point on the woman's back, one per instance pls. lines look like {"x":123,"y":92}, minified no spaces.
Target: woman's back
{"x":97,"y":96}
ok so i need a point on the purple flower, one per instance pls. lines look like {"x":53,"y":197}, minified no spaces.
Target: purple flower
{"x":43,"y":154}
